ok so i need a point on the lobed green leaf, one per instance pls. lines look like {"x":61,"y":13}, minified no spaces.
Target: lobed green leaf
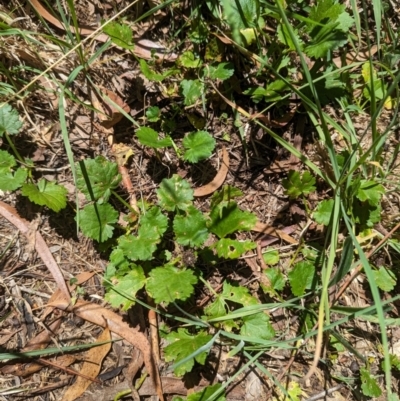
{"x":45,"y":193}
{"x":97,"y":221}
{"x":168,"y":284}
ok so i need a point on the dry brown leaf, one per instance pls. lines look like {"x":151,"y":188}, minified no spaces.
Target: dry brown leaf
{"x":143,"y":48}
{"x":283,"y":235}
{"x":6,"y":335}
{"x":112,"y":114}
{"x":42,"y":249}
{"x":105,"y":318}
{"x":218,"y":179}
{"x":90,"y":368}
{"x":269,"y":230}
{"x":81,"y":278}
{"x":353,"y":57}
{"x":264,"y":229}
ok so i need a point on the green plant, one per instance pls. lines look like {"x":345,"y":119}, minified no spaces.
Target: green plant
{"x":43,"y":192}
{"x":158,"y":253}
{"x":274,"y":64}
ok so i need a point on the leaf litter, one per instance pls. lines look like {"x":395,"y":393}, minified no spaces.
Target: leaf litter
{"x":261,"y":185}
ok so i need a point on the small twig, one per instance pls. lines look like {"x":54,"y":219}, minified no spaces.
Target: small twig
{"x":324,"y":393}
{"x":153,"y":324}
{"x":67,"y":370}
{"x":33,"y":292}
{"x":52,"y":170}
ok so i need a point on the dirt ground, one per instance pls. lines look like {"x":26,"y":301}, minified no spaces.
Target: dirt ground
{"x":257,"y":165}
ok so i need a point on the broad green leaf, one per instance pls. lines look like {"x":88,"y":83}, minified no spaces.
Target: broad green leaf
{"x":232,"y":249}
{"x":198,"y":31}
{"x":46,"y":193}
{"x":142,"y":246}
{"x":102,"y":175}
{"x":118,"y":264}
{"x":192,"y":90}
{"x":271,"y":256}
{"x":301,"y":277}
{"x":153,"y":114}
{"x":128,"y":284}
{"x":258,"y":94}
{"x":297,"y":184}
{"x":366,"y":214}
{"x":188,"y":60}
{"x":257,"y":325}
{"x":325,"y":10}
{"x":227,"y":218}
{"x":9,"y":120}
{"x":221,"y":71}
{"x":154,"y":220}
{"x":149,"y":137}
{"x":182,"y":346}
{"x":207,"y":393}
{"x":370,"y":191}
{"x":168,"y":284}
{"x":369,"y":385}
{"x":175,"y":193}
{"x":328,"y":25}
{"x":276,"y":278}
{"x":385,"y":279}
{"x":217,"y":308}
{"x":120,"y":34}
{"x":10,"y":181}
{"x":241,"y":14}
{"x":238,"y":294}
{"x":249,"y":35}
{"x":322,"y":213}
{"x":7,"y":161}
{"x":152,"y":75}
{"x":97,"y":221}
{"x":328,"y":39}
{"x":190,"y":228}
{"x":226,"y":194}
{"x":310,"y":253}
{"x":198,"y":146}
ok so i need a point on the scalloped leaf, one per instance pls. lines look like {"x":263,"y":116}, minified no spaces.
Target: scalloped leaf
{"x":148,"y":137}
{"x":46,"y":193}
{"x":190,"y":228}
{"x":227,"y":218}
{"x":96,"y":178}
{"x":168,"y":284}
{"x":232,"y":249}
{"x":183,"y":345}
{"x":175,"y":193}
{"x":199,"y":146}
{"x":97,"y":221}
